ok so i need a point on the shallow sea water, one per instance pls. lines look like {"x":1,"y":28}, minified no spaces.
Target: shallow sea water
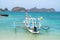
{"x":8,"y":32}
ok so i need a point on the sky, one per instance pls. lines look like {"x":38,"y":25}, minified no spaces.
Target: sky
{"x":30,"y":4}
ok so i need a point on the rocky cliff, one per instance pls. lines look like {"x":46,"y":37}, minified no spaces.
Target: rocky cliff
{"x":4,"y":9}
{"x":41,"y":10}
{"x":21,"y":9}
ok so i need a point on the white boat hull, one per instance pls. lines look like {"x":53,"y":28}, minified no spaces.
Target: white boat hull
{"x":32,"y":31}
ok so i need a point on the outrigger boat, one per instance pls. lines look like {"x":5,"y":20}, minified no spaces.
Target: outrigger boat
{"x":32,"y":24}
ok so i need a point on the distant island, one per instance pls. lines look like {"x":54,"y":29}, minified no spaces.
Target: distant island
{"x":4,"y":9}
{"x":22,"y":9}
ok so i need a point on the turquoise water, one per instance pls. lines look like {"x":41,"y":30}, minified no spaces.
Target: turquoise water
{"x":8,"y":32}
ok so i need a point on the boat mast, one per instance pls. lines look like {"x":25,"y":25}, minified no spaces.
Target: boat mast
{"x":27,"y":20}
{"x":26,"y":13}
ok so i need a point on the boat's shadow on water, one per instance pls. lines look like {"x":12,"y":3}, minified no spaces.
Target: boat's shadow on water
{"x":36,"y":36}
{"x":21,"y":31}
